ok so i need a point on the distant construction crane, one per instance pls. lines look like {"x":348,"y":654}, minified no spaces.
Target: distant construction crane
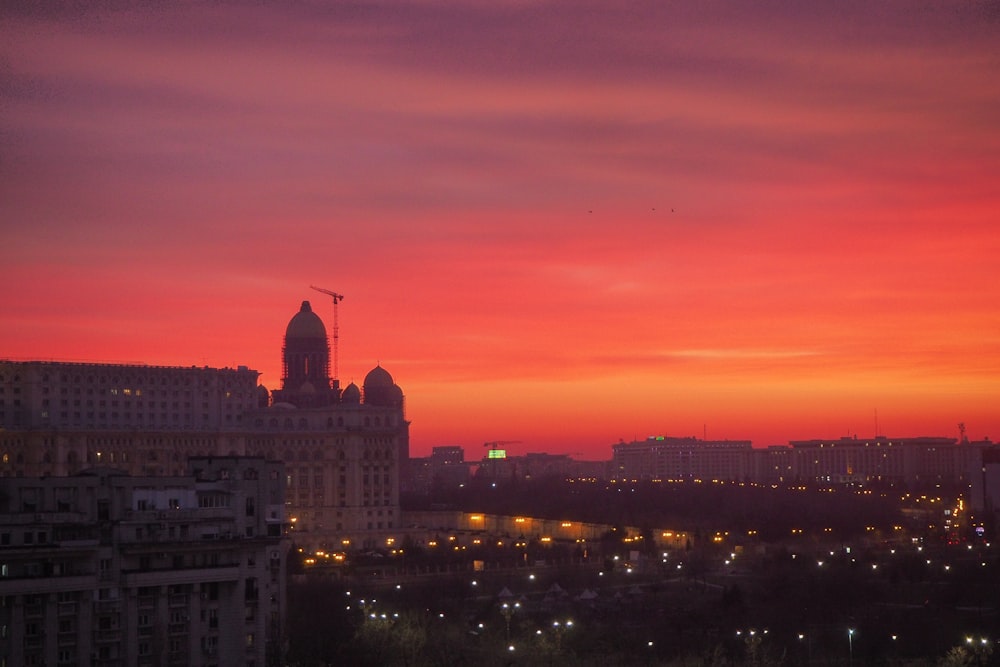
{"x":337,"y":298}
{"x":497,"y":444}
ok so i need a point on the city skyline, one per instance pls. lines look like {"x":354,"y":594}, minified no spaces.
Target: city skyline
{"x":563,"y":225}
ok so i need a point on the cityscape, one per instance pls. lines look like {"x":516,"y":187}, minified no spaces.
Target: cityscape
{"x":156,"y":515}
{"x":521,"y":333}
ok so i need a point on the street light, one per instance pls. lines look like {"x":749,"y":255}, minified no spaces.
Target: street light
{"x":560,"y":628}
{"x":508,"y":610}
{"x":850,"y":645}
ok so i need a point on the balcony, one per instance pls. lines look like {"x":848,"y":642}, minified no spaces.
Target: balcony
{"x":168,"y":577}
{"x":108,"y":636}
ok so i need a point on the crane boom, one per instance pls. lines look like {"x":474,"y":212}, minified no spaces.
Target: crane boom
{"x":337,"y":298}
{"x":500,"y":443}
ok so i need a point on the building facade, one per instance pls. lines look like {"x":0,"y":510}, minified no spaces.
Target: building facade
{"x":345,"y":449}
{"x":104,"y":568}
{"x":924,"y":460}
{"x":665,"y":458}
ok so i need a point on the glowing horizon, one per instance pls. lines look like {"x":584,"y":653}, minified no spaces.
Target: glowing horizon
{"x":562,"y":224}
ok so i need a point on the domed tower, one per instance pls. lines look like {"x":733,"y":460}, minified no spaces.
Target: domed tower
{"x":305,"y":380}
{"x":385,"y":396}
{"x":351,"y":395}
{"x":381,"y":391}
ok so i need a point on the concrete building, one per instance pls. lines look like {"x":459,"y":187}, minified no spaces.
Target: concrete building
{"x":665,"y":458}
{"x":445,"y":468}
{"x":345,"y":450}
{"x":103,"y":568}
{"x":925,"y":460}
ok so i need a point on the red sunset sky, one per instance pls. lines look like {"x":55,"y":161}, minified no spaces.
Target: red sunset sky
{"x":562,"y":223}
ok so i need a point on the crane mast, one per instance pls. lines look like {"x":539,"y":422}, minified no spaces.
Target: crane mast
{"x":337,"y":298}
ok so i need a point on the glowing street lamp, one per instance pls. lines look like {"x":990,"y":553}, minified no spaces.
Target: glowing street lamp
{"x":508,"y":610}
{"x":559,"y":629}
{"x":850,"y":645}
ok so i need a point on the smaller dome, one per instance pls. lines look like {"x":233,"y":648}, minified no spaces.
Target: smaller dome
{"x":378,"y":377}
{"x":263,"y":396}
{"x":351,"y":394}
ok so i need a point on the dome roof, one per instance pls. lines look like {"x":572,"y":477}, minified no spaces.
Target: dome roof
{"x":351,"y":394}
{"x":305,"y":324}
{"x":378,"y":377}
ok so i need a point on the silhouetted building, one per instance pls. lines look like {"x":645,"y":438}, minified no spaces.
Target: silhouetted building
{"x":666,"y":458}
{"x":985,"y":482}
{"x":101,"y":568}
{"x":444,"y":469}
{"x":345,"y":451}
{"x":305,"y":380}
{"x":924,"y":460}
{"x":40,"y":395}
{"x":908,"y":460}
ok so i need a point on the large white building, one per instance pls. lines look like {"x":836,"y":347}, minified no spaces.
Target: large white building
{"x":344,"y":449}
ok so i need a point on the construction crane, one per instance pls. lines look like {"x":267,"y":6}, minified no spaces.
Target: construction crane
{"x":337,"y":298}
{"x":497,"y":444}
